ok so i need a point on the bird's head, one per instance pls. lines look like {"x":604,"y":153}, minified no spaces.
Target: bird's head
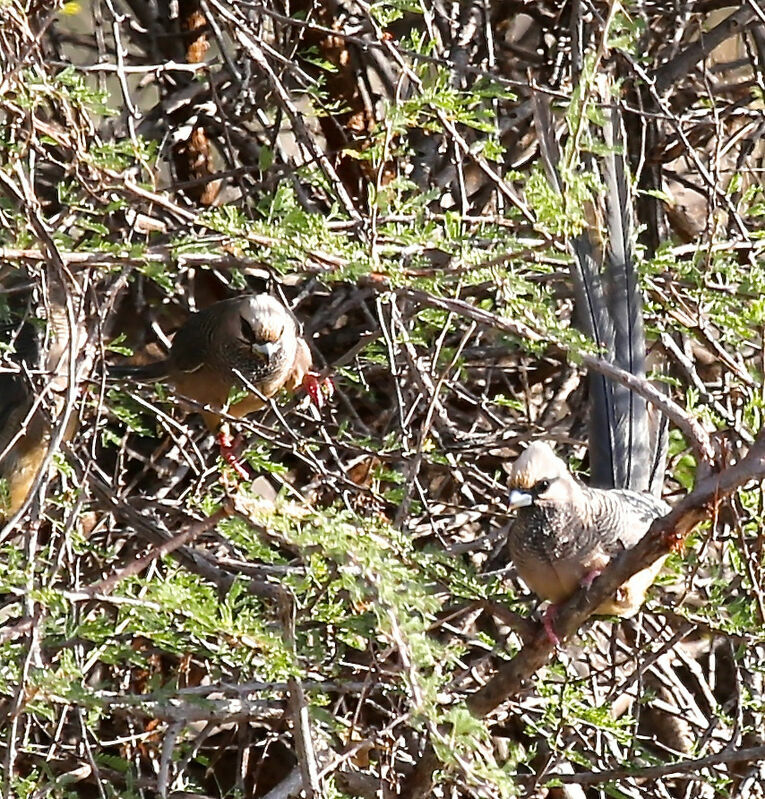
{"x":264,"y":326}
{"x":540,"y":476}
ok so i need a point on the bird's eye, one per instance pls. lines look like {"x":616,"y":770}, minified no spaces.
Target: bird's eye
{"x":541,"y":486}
{"x":248,"y":334}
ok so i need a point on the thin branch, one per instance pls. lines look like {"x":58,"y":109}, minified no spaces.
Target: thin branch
{"x":682,"y":768}
{"x":697,"y":436}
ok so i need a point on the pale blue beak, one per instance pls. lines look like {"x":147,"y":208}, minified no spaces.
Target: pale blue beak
{"x":519,"y":499}
{"x":268,"y":349}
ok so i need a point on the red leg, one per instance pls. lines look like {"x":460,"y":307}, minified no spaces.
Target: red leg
{"x":589,"y":578}
{"x":229,"y":450}
{"x":548,"y":620}
{"x":318,"y":388}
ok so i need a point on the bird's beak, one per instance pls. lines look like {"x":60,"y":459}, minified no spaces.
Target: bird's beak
{"x":267,"y":350}
{"x":519,"y":499}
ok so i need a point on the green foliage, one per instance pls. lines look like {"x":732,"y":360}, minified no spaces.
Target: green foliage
{"x":129,"y":412}
{"x":387,"y":11}
{"x":333,"y":582}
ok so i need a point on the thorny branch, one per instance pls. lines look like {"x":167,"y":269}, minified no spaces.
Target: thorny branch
{"x":380,"y":173}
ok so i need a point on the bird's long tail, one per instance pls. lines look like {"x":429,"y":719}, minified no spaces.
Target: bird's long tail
{"x":624,"y":451}
{"x":148,"y":372}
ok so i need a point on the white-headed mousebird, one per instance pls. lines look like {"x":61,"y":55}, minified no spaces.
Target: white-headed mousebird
{"x":566,"y":532}
{"x":249,"y":342}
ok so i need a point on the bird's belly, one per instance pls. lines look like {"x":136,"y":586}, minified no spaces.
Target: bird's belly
{"x":205,"y":386}
{"x":554,"y":582}
{"x":547,"y":553}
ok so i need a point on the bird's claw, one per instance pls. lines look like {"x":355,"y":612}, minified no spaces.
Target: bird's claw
{"x":549,"y":616}
{"x":318,"y":388}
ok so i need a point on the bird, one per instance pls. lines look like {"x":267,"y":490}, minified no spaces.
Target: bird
{"x":25,"y":421}
{"x":565,"y":532}
{"x":251,"y":343}
{"x":23,"y":432}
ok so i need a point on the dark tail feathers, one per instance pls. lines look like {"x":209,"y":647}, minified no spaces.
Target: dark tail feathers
{"x":147,"y":373}
{"x":624,"y":451}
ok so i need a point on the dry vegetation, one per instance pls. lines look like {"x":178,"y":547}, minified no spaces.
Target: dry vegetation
{"x":171,"y":631}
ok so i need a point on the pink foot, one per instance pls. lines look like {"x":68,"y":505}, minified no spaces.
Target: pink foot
{"x":548,"y":619}
{"x":230,"y":447}
{"x":589,"y":578}
{"x":318,"y":388}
